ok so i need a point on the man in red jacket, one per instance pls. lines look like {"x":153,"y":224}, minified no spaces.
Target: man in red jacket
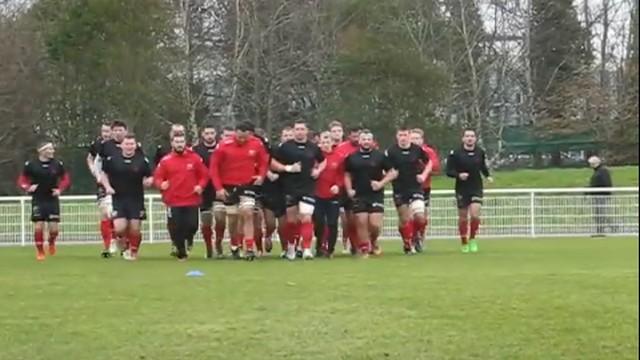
{"x":417,"y":137}
{"x":328,"y":187}
{"x":181,"y":177}
{"x":237,"y":166}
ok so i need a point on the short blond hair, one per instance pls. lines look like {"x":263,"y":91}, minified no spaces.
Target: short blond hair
{"x":335,"y":123}
{"x":418,"y":131}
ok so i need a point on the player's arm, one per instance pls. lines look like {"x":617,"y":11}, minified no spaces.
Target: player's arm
{"x":348,"y":181}
{"x":160,"y":176}
{"x":217,"y":157}
{"x":484,"y":169}
{"x":390,"y":173}
{"x":91,"y":158}
{"x":147,"y":173}
{"x":65,"y":180}
{"x":428,"y":166}
{"x":104,"y":176}
{"x":24,"y":180}
{"x":278,"y":160}
{"x":452,"y":165}
{"x":434,"y":159}
{"x":263,"y":163}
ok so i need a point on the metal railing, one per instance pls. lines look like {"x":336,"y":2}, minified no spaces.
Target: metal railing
{"x":505,"y":213}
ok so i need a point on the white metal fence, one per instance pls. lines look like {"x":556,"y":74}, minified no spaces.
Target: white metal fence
{"x":506,"y":213}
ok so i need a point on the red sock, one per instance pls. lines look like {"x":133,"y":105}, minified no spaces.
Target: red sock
{"x":407,"y":233}
{"x":306,"y":232}
{"x":463,"y":229}
{"x":290,"y":233}
{"x":207,"y":235}
{"x":419,"y":227}
{"x":236,"y":241}
{"x":296,"y":234}
{"x":38,"y":237}
{"x":364,"y":245}
{"x":258,"y":238}
{"x":106,"y":231}
{"x":475,"y":225}
{"x":249,"y":244}
{"x":135,"y":238}
{"x":53,"y":235}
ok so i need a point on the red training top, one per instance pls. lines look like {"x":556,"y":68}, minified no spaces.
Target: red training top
{"x":236,"y":164}
{"x":183,"y":172}
{"x":435,"y":161}
{"x":333,"y":174}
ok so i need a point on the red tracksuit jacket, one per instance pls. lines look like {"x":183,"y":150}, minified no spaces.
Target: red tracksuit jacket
{"x":183,"y":172}
{"x":435,"y":160}
{"x":333,"y":174}
{"x":236,"y":164}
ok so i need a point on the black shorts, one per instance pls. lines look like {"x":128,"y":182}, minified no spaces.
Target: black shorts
{"x":129,"y":209}
{"x":274,"y":203}
{"x":346,"y":202}
{"x":234,"y":192}
{"x":427,"y":197}
{"x":292,"y":200}
{"x":45,"y":210}
{"x":371,"y":204}
{"x":463,"y":200}
{"x":208,"y":197}
{"x":407,"y":197}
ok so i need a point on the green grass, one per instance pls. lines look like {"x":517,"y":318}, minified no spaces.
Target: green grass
{"x":549,"y":178}
{"x":516,"y":299}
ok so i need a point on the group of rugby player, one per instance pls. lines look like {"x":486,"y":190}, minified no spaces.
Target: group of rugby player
{"x":300,"y":187}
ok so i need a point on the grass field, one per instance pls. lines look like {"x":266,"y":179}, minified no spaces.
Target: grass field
{"x":546,"y":178}
{"x":516,"y":299}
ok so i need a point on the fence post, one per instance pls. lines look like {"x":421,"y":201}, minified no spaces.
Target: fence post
{"x":23,"y":223}
{"x":533,"y":213}
{"x":150,"y":220}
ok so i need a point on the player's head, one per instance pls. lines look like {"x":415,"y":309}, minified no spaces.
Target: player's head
{"x":286,"y":134}
{"x":118,"y":130}
{"x":366,"y":139}
{"x":337,"y":131}
{"x":179,"y":143}
{"x":594,"y":161}
{"x":403,"y":137}
{"x":469,"y":137}
{"x":208,"y":134}
{"x":129,"y":145}
{"x":176,"y":129}
{"x":105,"y":132}
{"x":260,"y":132}
{"x":326,"y":141}
{"x":227,"y":132}
{"x":243,"y":131}
{"x":354,"y":134}
{"x":300,"y":131}
{"x":314,"y":136}
{"x":417,"y":136}
{"x":46,"y":150}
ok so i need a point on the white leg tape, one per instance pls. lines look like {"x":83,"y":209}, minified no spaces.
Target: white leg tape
{"x":417,"y":207}
{"x":305,"y":208}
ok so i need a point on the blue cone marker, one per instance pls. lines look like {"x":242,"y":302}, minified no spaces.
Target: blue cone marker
{"x":195,"y":273}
